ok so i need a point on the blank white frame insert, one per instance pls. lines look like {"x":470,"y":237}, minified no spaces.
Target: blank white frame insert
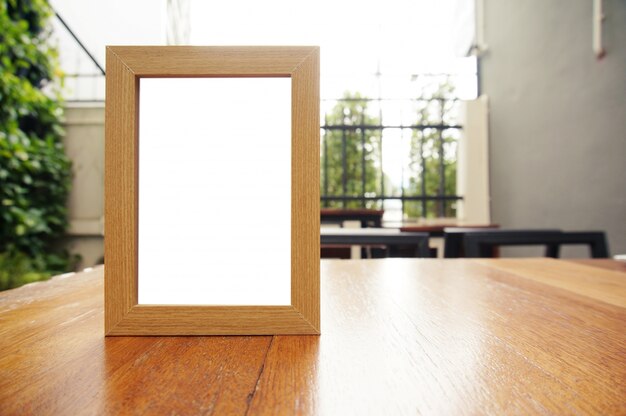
{"x":214,"y":202}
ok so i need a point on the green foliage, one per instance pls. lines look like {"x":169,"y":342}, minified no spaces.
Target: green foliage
{"x":17,"y":269}
{"x":34,"y":170}
{"x":430,"y":148}
{"x":363,"y":152}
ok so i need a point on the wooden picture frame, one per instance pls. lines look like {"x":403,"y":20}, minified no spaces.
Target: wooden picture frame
{"x":125,"y":65}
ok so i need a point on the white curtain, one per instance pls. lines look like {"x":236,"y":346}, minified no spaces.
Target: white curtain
{"x":178,"y":27}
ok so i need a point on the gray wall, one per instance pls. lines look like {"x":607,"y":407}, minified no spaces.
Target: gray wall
{"x":557,"y":116}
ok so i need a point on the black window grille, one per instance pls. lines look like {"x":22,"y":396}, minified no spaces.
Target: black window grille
{"x":352,"y":170}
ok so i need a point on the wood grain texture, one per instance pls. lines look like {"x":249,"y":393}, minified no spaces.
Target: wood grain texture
{"x":216,"y":320}
{"x":305,"y":190}
{"x":55,"y":360}
{"x":603,"y":285}
{"x":439,"y":227}
{"x":618,"y":266}
{"x":120,"y":189}
{"x":125,"y":66}
{"x":447,"y":337}
{"x":206,"y":61}
{"x":401,"y":336}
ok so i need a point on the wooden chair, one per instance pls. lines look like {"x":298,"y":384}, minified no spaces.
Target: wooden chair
{"x":482,"y":243}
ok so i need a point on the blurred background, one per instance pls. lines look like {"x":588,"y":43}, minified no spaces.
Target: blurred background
{"x":483,"y":112}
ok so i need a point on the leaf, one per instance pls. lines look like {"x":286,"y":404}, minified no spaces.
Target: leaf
{"x":34,"y":170}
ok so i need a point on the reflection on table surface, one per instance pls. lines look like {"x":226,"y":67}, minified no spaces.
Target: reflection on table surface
{"x":399,"y":336}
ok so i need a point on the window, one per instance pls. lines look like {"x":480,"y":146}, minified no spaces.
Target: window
{"x":395,"y":148}
{"x":392,"y":78}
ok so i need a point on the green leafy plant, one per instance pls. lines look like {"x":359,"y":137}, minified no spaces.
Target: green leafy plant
{"x":17,"y":269}
{"x":431,"y":150}
{"x":35,"y":173}
{"x":362,"y":154}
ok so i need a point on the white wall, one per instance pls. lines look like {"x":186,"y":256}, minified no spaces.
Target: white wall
{"x":113,"y":22}
{"x":84,"y":144}
{"x":99,"y":23}
{"x":473,"y":163}
{"x":557,"y":116}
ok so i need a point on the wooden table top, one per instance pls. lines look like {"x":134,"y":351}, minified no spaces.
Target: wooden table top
{"x":359,"y":231}
{"x":439,"y":227}
{"x":340,"y":212}
{"x":367,"y":217}
{"x":399,"y":336}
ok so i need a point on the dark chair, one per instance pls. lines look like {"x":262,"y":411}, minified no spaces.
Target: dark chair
{"x":418,"y":242}
{"x":337,"y":216}
{"x":453,"y":238}
{"x":481,"y":244}
{"x":596,"y":240}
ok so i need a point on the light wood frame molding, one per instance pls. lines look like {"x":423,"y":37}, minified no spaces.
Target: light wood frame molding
{"x":125,"y":65}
